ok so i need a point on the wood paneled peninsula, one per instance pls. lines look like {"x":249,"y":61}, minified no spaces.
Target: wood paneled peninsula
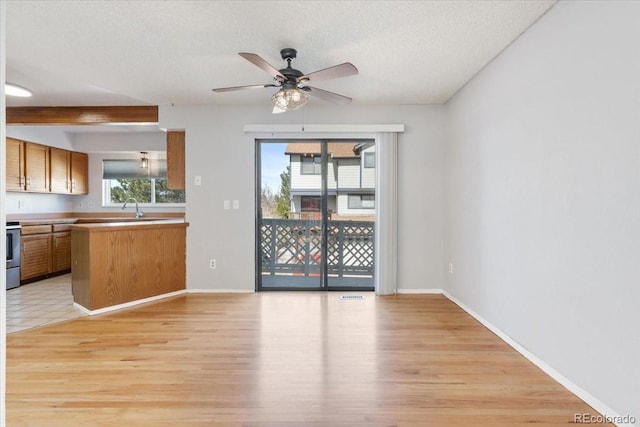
{"x":114,"y":263}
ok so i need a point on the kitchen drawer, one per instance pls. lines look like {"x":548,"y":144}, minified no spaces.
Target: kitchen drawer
{"x":61,"y":227}
{"x":35,"y":229}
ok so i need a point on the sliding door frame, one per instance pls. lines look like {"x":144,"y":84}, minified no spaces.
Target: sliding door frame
{"x":324,"y":278}
{"x":386,"y":137}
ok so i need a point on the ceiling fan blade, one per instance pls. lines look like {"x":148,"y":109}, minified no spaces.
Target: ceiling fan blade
{"x":342,"y":70}
{"x":258,"y":61}
{"x":327,"y":96}
{"x":229,"y":89}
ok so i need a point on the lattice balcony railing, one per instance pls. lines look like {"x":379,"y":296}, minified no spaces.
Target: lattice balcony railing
{"x":293,"y":246}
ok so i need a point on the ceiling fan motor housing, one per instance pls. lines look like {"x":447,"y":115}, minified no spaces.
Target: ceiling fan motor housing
{"x":288,"y":53}
{"x":292,"y":75}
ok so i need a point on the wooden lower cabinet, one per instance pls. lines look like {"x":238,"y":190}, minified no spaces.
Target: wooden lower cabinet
{"x":35,"y":256}
{"x":122,"y":264}
{"x":45,"y":250}
{"x":61,"y":252}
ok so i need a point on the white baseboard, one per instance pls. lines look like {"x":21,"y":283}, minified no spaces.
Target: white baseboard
{"x":578,"y":391}
{"x":220,"y":291}
{"x":420,"y":291}
{"x":127,"y":304}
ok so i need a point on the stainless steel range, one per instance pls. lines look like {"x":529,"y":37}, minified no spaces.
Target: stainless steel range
{"x":13,"y":254}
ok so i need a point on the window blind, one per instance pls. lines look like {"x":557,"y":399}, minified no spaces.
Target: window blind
{"x":130,"y":168}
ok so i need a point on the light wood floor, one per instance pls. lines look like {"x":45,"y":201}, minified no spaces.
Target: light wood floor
{"x":278,"y":359}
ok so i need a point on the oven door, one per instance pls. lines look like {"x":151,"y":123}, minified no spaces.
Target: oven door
{"x":13,"y":247}
{"x":13,"y":277}
{"x":13,"y":256}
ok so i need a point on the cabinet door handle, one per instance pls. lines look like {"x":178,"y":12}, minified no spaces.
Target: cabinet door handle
{"x":73,"y":185}
{"x":22,"y":181}
{"x":28,"y":181}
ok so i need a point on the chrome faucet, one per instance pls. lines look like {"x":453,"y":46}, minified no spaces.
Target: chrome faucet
{"x":139,"y":213}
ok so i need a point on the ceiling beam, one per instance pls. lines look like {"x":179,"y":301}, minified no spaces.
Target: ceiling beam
{"x":82,"y":115}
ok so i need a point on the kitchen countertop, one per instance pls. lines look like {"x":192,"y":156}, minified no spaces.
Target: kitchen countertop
{"x":97,"y":220}
{"x":124,"y":223}
{"x":27,"y":222}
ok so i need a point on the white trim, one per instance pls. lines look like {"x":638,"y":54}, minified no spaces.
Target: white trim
{"x":3,"y":213}
{"x":566,"y":383}
{"x":221,"y":291}
{"x":324,"y":128}
{"x":127,"y":304}
{"x":386,"y":140}
{"x":421,"y":291}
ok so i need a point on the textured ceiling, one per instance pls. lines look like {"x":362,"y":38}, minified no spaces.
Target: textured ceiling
{"x":161,"y":52}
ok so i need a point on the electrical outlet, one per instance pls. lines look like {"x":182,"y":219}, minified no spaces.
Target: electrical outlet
{"x":20,"y":204}
{"x":197,"y":180}
{"x":236,"y":204}
{"x":91,"y":205}
{"x":450,"y":268}
{"x":212,"y":264}
{"x":227,"y":205}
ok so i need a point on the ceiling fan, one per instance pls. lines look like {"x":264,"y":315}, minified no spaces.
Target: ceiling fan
{"x":294,"y":90}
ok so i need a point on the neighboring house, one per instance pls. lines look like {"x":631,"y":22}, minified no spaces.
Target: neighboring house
{"x":351,"y":177}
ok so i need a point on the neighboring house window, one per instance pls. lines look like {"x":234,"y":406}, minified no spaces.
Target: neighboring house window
{"x":310,"y":204}
{"x":369,"y":160}
{"x":124,"y":179}
{"x":311,"y":166}
{"x":361,"y":201}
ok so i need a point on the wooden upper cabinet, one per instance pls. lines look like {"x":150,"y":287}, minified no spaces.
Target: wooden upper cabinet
{"x":175,"y":160}
{"x":60,"y":170}
{"x":37,"y":167}
{"x":79,"y":173}
{"x":15,"y":165}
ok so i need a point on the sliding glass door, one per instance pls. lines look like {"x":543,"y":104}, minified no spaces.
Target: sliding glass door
{"x":315,"y":214}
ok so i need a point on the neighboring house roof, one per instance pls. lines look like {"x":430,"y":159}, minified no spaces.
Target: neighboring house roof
{"x":337,"y":150}
{"x":362,"y":146}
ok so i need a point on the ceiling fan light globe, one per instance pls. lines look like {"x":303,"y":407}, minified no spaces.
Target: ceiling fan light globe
{"x":290,"y":99}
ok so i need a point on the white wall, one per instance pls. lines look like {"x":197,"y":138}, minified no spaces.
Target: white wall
{"x":3,"y":305}
{"x":543,"y":166}
{"x":220,"y":152}
{"x":27,"y":203}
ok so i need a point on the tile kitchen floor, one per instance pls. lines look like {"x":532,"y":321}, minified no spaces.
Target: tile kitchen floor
{"x":40,"y":303}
